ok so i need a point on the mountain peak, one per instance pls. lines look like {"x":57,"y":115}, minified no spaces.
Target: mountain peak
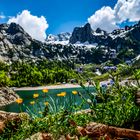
{"x":87,"y":25}
{"x":81,"y":34}
{"x":14,"y":28}
{"x":14,"y":34}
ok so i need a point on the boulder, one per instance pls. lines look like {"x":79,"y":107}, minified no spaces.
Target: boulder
{"x":7,"y":96}
{"x":7,"y":117}
{"x":94,"y":130}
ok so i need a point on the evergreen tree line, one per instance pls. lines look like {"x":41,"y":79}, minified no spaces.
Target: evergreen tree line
{"x":20,"y":74}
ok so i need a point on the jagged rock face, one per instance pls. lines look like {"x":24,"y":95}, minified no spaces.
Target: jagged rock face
{"x":15,"y":34}
{"x":128,"y":38}
{"x":15,"y":43}
{"x":118,"y":39}
{"x":82,"y":34}
{"x":64,"y":36}
{"x":135,"y":33}
{"x":86,"y":34}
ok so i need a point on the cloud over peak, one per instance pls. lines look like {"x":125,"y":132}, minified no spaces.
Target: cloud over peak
{"x":102,"y":17}
{"x":128,"y":10}
{"x":33,"y":25}
{"x":108,"y":18}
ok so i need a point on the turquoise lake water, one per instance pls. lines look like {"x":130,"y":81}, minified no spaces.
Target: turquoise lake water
{"x":68,"y":101}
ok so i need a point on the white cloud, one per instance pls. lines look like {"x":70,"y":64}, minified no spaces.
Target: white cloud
{"x":103,"y":18}
{"x":33,"y":25}
{"x":2,"y":16}
{"x":108,"y":18}
{"x":128,"y":9}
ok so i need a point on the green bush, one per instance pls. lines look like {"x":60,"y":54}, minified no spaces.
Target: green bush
{"x":4,"y":79}
{"x":102,"y":77}
{"x":20,"y":74}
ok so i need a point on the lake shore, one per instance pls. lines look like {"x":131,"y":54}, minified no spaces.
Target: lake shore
{"x":60,"y":86}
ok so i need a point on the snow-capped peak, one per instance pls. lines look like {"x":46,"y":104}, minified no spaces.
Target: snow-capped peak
{"x":62,"y":38}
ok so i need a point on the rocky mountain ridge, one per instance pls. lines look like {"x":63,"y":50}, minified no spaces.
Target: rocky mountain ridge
{"x":83,"y":46}
{"x":85,"y":33}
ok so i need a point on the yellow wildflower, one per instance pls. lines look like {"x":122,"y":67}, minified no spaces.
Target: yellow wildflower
{"x":19,"y":101}
{"x":62,"y":94}
{"x":74,"y":92}
{"x":45,"y":90}
{"x":32,"y":102}
{"x":35,"y":95}
{"x":58,"y":95}
{"x":46,"y":103}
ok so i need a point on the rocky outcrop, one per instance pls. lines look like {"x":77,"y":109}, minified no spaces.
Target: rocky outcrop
{"x":122,"y":40}
{"x":95,"y":130}
{"x":7,"y":96}
{"x":10,"y":118}
{"x":128,"y":38}
{"x":82,"y":34}
{"x":6,"y":117}
{"x":16,"y":44}
{"x":86,"y":34}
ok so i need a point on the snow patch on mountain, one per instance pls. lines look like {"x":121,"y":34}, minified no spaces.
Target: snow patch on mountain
{"x":63,"y":39}
{"x":86,"y":44}
{"x":138,"y":57}
{"x":119,"y":33}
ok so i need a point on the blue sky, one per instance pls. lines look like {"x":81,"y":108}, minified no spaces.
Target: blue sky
{"x":61,"y":15}
{"x":42,"y":17}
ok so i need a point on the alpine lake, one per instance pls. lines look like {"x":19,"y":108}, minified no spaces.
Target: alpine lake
{"x":55,"y":102}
